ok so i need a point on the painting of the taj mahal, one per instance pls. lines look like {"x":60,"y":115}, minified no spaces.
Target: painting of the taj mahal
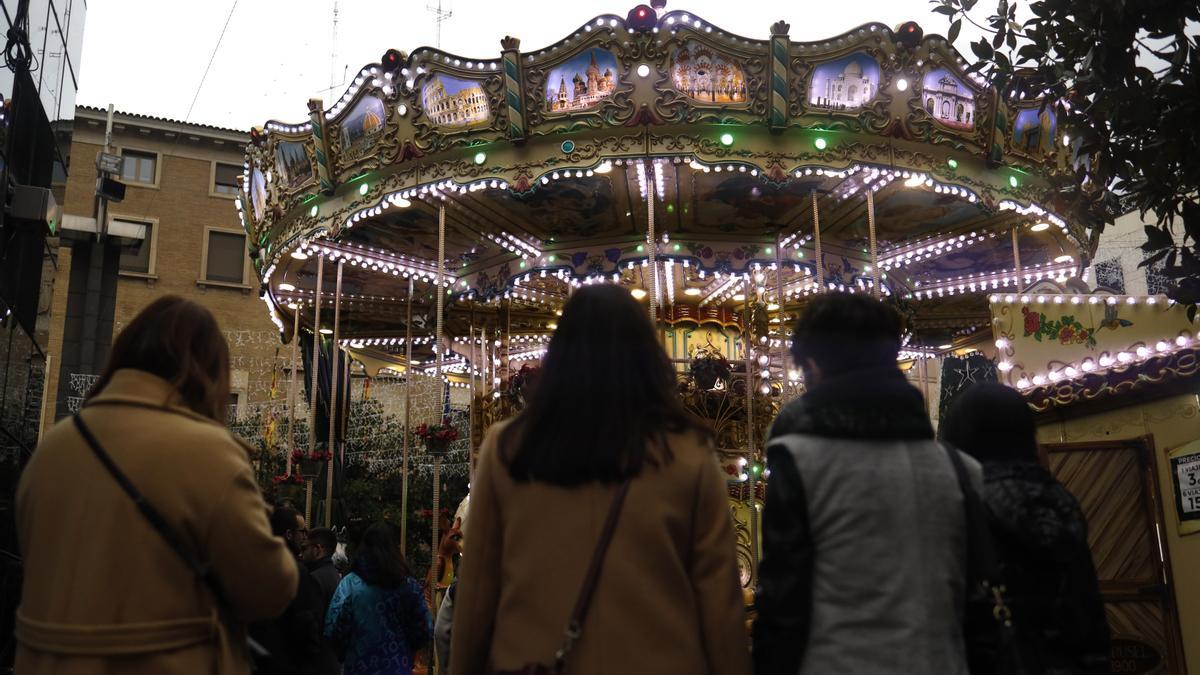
{"x":948,"y":100}
{"x":845,"y":84}
{"x":451,"y":102}
{"x":588,"y":78}
{"x":706,"y":75}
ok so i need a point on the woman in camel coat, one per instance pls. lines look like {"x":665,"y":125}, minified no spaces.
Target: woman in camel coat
{"x":103,"y":593}
{"x":603,"y":411}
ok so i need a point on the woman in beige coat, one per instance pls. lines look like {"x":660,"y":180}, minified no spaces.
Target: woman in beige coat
{"x":103,"y":593}
{"x":603,"y":411}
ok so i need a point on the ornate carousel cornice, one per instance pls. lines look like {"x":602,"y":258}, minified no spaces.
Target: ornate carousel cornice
{"x":418,"y":132}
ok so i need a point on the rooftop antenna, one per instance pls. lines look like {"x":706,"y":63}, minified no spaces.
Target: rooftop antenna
{"x":333,"y":57}
{"x":439,"y":15}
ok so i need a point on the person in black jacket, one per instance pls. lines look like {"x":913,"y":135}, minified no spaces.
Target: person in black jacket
{"x":1040,"y":534}
{"x":294,"y":639}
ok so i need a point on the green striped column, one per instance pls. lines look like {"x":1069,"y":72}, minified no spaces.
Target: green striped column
{"x":316,"y":113}
{"x":778,"y":112}
{"x":514,"y":105}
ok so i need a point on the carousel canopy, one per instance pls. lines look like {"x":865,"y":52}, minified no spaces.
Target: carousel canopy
{"x":708,"y":170}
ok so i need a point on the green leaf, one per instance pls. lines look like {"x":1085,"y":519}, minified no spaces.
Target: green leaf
{"x":983,"y":50}
{"x":954,"y":30}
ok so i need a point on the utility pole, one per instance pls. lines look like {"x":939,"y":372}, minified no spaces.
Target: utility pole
{"x":439,"y":15}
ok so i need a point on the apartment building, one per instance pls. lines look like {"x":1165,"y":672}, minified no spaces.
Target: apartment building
{"x":182,"y":237}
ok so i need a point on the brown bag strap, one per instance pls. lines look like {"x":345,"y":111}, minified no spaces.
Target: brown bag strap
{"x":575,"y":625}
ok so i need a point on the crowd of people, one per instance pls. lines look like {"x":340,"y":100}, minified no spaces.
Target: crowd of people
{"x":600,"y":535}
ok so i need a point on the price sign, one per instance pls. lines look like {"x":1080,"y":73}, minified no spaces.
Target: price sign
{"x":1185,"y":473}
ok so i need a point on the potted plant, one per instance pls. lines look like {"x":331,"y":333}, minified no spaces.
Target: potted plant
{"x":708,"y":367}
{"x":289,"y":486}
{"x":437,"y":437}
{"x":309,"y":463}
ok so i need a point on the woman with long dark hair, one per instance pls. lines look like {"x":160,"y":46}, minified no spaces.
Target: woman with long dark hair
{"x":377,"y":620}
{"x":104,"y":591}
{"x":1040,"y":534}
{"x":603,"y":420}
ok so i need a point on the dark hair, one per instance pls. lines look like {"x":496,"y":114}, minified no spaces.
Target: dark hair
{"x":606,"y":392}
{"x":842,"y":332}
{"x":323,"y":537}
{"x":179,"y":341}
{"x":991,"y":422}
{"x":377,"y":557}
{"x":283,"y":519}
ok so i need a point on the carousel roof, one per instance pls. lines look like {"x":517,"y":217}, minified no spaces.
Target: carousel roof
{"x":728,"y":162}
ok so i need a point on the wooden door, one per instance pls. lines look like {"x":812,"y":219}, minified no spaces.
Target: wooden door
{"x":1117,"y":487}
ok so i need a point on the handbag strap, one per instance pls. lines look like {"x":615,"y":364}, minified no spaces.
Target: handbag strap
{"x":982,"y":566}
{"x":575,"y":625}
{"x":159,"y":524}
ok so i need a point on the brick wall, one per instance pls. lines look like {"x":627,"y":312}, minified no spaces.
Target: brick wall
{"x":183,"y":204}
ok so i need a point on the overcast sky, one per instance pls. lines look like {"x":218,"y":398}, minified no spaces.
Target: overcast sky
{"x":148,"y":56}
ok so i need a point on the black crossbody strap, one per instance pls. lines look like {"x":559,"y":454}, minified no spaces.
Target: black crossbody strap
{"x":156,"y":520}
{"x":981,"y":554}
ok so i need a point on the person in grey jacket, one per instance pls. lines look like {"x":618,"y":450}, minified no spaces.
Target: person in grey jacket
{"x":864,"y":531}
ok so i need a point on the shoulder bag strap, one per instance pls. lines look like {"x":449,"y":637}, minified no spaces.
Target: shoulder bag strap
{"x":982,"y":567}
{"x":162,"y":527}
{"x":575,"y":625}
{"x":981,"y":555}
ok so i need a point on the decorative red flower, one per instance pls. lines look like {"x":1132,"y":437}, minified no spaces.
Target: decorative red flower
{"x":1066,"y":335}
{"x":1033,"y":321}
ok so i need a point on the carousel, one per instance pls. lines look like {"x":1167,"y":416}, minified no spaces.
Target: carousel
{"x":436,"y":216}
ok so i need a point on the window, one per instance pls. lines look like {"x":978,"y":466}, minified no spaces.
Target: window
{"x":225,"y":178}
{"x":1157,"y":282}
{"x":1110,"y":276}
{"x":233,"y":405}
{"x":139,"y":167}
{"x":136,"y":258}
{"x":225,"y":257}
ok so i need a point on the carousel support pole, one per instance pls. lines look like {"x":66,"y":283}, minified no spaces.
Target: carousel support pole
{"x":652,"y":248}
{"x":876,"y":280}
{"x":779,"y":315}
{"x":314,"y":397}
{"x":408,"y":371}
{"x":440,"y":354}
{"x":748,"y":336}
{"x":291,"y":444}
{"x":820,"y":261}
{"x":334,"y":408}
{"x":1016,"y":249}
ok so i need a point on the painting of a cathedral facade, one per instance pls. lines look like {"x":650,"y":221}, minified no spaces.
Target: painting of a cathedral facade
{"x":948,"y":100}
{"x":1034,"y":132}
{"x":451,"y":102}
{"x":292,"y":164}
{"x":847,"y":83}
{"x":706,"y":75}
{"x":587,"y":79}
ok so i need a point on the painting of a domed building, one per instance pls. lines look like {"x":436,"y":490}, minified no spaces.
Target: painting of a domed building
{"x":845,"y":84}
{"x":588,"y":78}
{"x":451,"y":102}
{"x":706,"y":75}
{"x":365,"y":121}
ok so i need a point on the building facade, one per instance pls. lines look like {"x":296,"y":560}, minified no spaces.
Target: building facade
{"x":851,"y":89}
{"x":950,"y":102}
{"x":179,"y":214}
